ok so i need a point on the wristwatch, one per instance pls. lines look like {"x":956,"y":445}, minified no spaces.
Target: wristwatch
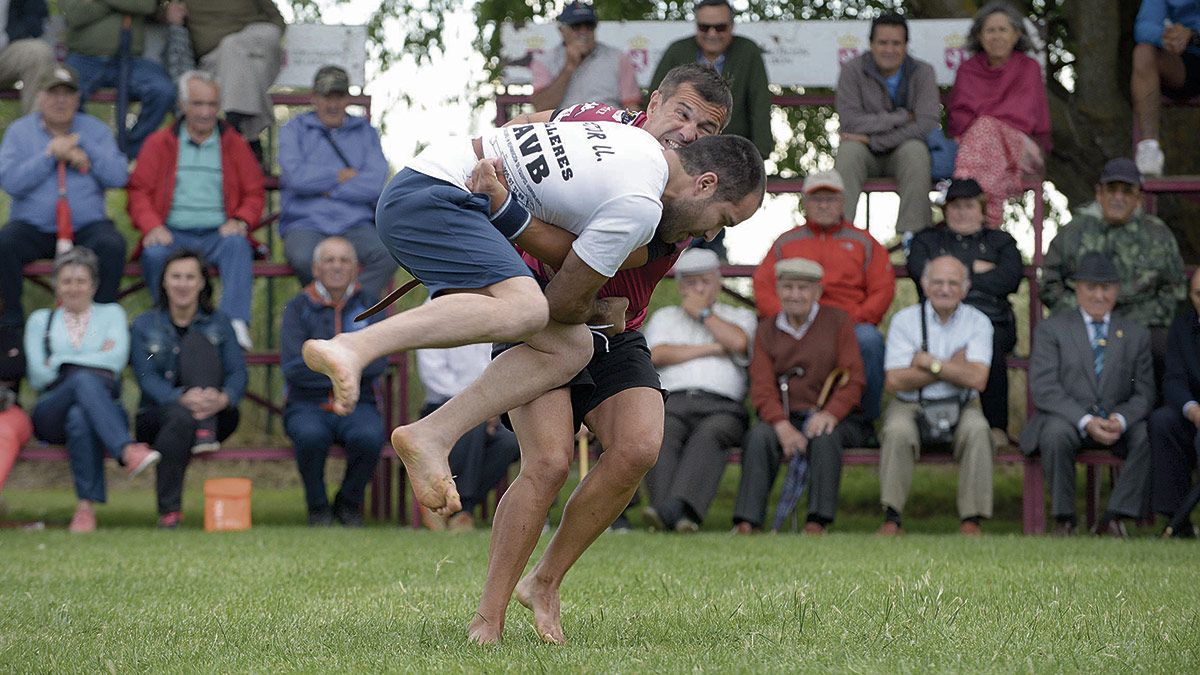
{"x":704,"y":314}
{"x":935,"y":367}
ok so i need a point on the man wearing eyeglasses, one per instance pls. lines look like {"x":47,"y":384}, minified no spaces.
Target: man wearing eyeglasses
{"x":738,"y":59}
{"x":1140,"y":245}
{"x":581,"y":69}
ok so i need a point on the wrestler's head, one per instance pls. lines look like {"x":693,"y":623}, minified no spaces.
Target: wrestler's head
{"x":716,"y":182}
{"x":692,"y":101}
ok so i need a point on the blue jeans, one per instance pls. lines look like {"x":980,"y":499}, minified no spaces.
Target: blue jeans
{"x":870,"y":345}
{"x":148,"y":83}
{"x":313,"y":430}
{"x":81,"y":412}
{"x":231,"y":255}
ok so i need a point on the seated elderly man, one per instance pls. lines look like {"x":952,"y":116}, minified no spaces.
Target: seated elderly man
{"x":331,"y":173}
{"x":1092,"y":385}
{"x":54,"y":150}
{"x":938,"y":355}
{"x":197,"y":186}
{"x":795,"y":353}
{"x":323,"y":309}
{"x":700,"y":349}
{"x":1175,"y":427}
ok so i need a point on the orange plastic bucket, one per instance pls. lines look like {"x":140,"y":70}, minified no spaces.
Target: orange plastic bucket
{"x":226,"y":504}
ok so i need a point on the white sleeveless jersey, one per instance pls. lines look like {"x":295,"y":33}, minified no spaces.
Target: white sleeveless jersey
{"x":601,"y":181}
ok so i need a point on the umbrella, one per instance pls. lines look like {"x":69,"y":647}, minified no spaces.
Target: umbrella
{"x":793,"y":489}
{"x":1184,"y":512}
{"x":65,"y":232}
{"x":123,"y":82}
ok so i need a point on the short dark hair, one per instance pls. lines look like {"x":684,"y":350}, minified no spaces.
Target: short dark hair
{"x":713,"y":3}
{"x":889,"y":19}
{"x":206,"y":291}
{"x":705,"y":79}
{"x":1024,"y":44}
{"x":735,"y":160}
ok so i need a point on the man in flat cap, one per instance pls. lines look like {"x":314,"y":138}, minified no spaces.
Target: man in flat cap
{"x":1140,"y":245}
{"x":1093,"y":389}
{"x":581,"y":69}
{"x":858,"y":280}
{"x":938,"y":355}
{"x":701,"y":349}
{"x":795,"y":352}
{"x":331,"y":173}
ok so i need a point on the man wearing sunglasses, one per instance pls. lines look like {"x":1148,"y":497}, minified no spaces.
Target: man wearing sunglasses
{"x":738,"y":59}
{"x":1140,"y":245}
{"x":581,"y":69}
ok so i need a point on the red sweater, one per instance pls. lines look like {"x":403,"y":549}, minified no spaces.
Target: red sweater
{"x":152,"y":184}
{"x":859,"y":278}
{"x":776,"y":352}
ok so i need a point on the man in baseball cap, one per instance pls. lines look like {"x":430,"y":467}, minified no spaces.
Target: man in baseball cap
{"x":580,"y":69}
{"x":858,"y":277}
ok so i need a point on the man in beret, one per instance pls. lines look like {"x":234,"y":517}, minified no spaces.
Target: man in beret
{"x":1140,"y":246}
{"x":1093,"y":389}
{"x":701,"y":349}
{"x":938,"y":350}
{"x":795,"y":351}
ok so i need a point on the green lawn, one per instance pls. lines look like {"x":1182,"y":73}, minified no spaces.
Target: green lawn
{"x":282,"y":597}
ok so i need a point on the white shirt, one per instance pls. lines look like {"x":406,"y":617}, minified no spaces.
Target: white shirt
{"x":967,"y":327}
{"x":781,"y":322}
{"x":599,"y":180}
{"x":723,"y":375}
{"x":446,"y":372}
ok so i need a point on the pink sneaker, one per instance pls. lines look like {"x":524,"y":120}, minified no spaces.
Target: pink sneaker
{"x":170,"y":521}
{"x":139,"y":457}
{"x":84,"y":519}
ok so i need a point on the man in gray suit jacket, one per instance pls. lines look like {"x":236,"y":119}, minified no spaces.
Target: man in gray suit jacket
{"x":1093,"y":387}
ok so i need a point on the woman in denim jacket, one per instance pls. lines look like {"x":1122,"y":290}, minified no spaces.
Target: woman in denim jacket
{"x":191,"y":372}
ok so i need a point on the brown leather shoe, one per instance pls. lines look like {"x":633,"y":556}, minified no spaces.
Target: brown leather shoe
{"x":814,"y":529}
{"x":889,"y":529}
{"x":969,"y":528}
{"x":1115,"y":528}
{"x":1063,"y":529}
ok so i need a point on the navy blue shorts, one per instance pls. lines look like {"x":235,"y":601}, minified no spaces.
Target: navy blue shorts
{"x":441,"y":234}
{"x":1191,"y":80}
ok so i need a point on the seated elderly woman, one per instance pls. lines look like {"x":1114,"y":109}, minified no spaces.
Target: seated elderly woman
{"x":191,"y":372}
{"x":995,"y":265}
{"x":998,"y":110}
{"x":75,"y":353}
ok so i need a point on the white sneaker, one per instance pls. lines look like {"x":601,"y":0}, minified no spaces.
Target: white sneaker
{"x":1149,"y":157}
{"x":242,"y":332}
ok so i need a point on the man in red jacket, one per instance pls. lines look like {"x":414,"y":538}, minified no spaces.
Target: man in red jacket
{"x":858,"y":279}
{"x":198,"y":186}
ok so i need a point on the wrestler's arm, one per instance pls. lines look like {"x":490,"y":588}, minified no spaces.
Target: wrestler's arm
{"x":571,"y":294}
{"x":531,"y":118}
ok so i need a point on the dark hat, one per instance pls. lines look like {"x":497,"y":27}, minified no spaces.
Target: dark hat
{"x":962,"y":188}
{"x":331,"y":80}
{"x":1120,"y":170}
{"x":59,"y":75}
{"x":1095,"y":267}
{"x":576,"y":13}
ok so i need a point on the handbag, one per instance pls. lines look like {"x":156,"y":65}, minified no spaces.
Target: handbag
{"x":942,"y":154}
{"x":936,"y":417}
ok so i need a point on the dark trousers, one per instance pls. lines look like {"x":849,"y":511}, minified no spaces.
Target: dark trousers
{"x":479,"y":460}
{"x":313,"y":429}
{"x":994,"y":398}
{"x":22,"y":243}
{"x":1060,"y":442}
{"x":1175,"y":444}
{"x":171,"y":430}
{"x":82,"y":412}
{"x":762,"y":457}
{"x":700,"y":428}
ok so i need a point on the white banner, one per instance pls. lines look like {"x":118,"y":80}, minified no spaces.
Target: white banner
{"x":308,"y":46}
{"x":796,"y":53}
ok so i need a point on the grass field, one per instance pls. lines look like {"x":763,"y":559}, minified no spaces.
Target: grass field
{"x":282,"y":597}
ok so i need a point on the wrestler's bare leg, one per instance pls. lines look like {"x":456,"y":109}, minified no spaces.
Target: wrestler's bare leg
{"x":629,"y":425}
{"x":508,"y":311}
{"x":544,"y":430}
{"x":545,"y":361}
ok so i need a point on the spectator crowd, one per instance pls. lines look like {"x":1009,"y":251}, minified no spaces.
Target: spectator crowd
{"x":813,"y":373}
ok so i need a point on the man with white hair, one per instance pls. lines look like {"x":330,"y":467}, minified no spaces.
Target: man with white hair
{"x":700,"y":348}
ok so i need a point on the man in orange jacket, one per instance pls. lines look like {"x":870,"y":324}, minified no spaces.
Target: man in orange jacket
{"x":858,"y":274}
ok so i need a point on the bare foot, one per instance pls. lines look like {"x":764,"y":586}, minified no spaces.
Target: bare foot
{"x":342,"y":368}
{"x":547,"y":615}
{"x":429,"y":472}
{"x":484,"y":632}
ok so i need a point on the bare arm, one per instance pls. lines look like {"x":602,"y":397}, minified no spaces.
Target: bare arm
{"x":669,"y":355}
{"x":572,"y":292}
{"x":530,"y":118}
{"x":552,"y":95}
